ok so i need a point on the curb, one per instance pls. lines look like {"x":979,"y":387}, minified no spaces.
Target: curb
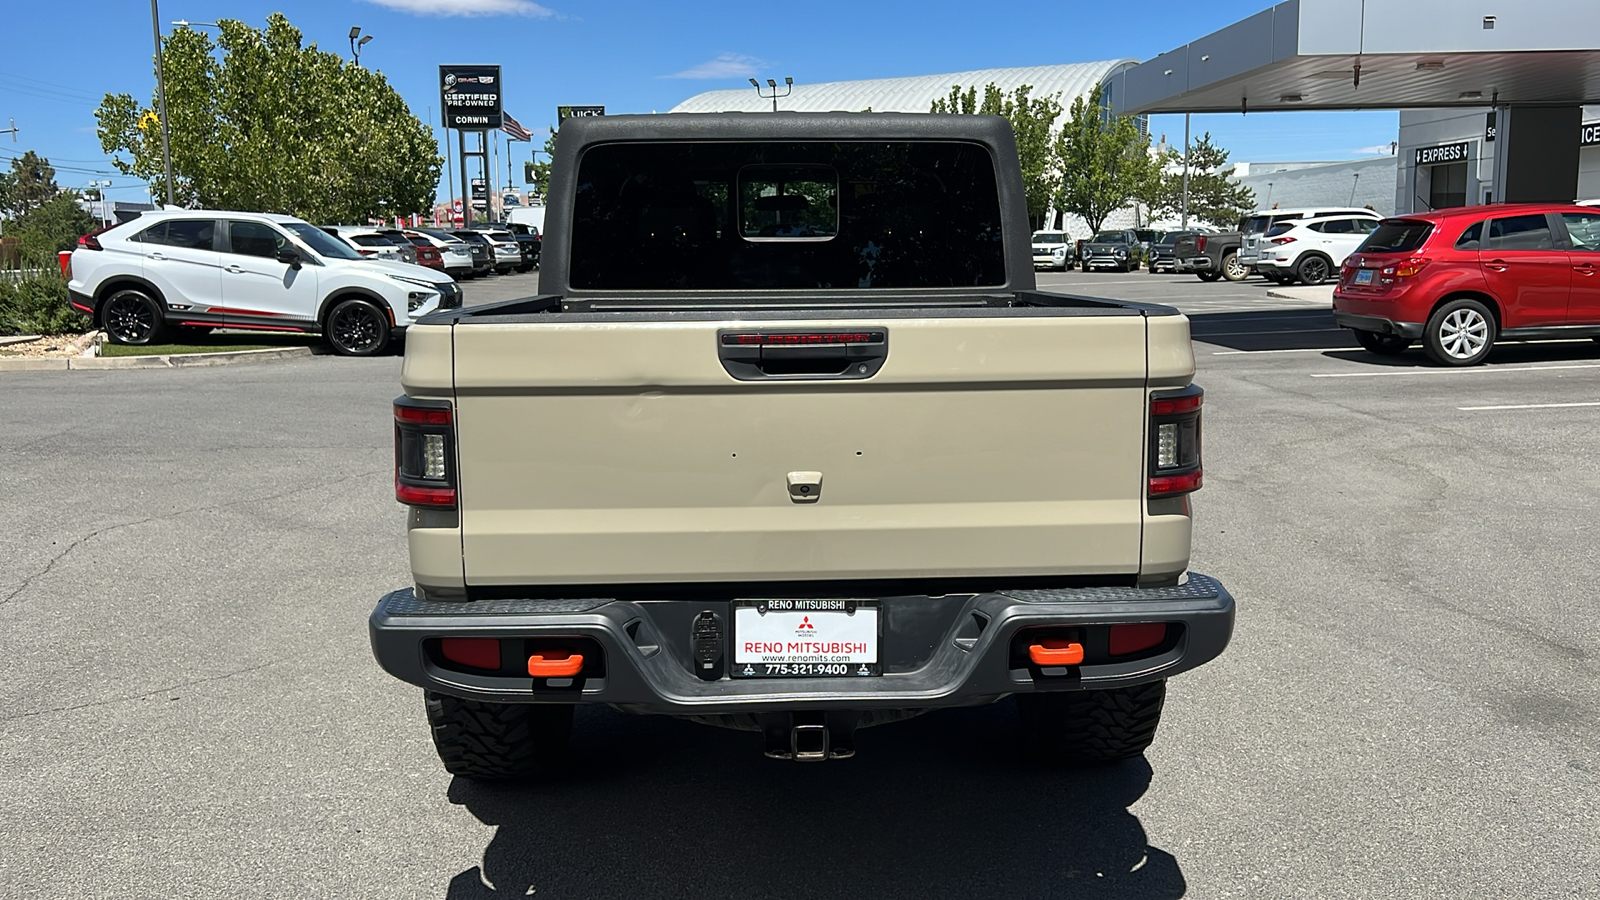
{"x":172,"y":361}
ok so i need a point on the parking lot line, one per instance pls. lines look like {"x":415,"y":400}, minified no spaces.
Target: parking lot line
{"x":1527,"y":406}
{"x":1479,"y":369}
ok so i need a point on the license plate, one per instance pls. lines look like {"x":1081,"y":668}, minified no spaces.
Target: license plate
{"x":785,"y":638}
{"x":1363,"y":276}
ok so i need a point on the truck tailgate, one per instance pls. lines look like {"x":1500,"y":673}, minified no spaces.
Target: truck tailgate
{"x":613,"y":452}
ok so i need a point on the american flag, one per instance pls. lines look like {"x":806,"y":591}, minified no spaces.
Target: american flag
{"x":514,"y":128}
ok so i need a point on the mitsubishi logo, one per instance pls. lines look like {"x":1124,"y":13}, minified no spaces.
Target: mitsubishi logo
{"x":805,"y":622}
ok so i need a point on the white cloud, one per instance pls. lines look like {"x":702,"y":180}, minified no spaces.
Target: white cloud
{"x":469,"y":8}
{"x":728,"y":65}
{"x":1375,"y":150}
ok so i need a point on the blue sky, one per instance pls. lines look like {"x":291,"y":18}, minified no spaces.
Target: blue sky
{"x":628,"y":56}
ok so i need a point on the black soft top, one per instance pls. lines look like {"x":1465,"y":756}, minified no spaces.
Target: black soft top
{"x":577,"y":134}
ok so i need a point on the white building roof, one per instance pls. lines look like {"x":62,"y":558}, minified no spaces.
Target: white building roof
{"x":914,"y":94}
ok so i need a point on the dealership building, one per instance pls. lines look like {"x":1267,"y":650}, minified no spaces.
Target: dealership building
{"x":1447,"y":157}
{"x":1492,"y":97}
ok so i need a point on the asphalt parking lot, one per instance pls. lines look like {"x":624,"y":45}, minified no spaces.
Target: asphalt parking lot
{"x":1409,"y":707}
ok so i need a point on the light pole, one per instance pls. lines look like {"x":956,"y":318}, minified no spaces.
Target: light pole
{"x":773,"y":87}
{"x":1353,"y":183}
{"x":161,"y":100}
{"x":100,"y":185}
{"x":355,"y":45}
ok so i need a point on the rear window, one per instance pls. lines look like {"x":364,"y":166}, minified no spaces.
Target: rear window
{"x":786,"y":215}
{"x":1399,"y":236}
{"x":1279,"y":228}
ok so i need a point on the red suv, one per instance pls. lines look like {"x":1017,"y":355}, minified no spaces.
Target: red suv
{"x":1459,"y":279}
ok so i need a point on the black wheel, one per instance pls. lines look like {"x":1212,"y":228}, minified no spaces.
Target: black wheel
{"x":131,"y":317}
{"x":1092,"y":726}
{"x":357,"y":328}
{"x":497,"y":741}
{"x":1313,"y":268}
{"x":1233,"y":269}
{"x":1382,"y":344}
{"x":1460,"y":333}
{"x":1208,"y":276}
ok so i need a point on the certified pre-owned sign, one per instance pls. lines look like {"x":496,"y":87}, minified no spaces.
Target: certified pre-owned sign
{"x":1444,"y":153}
{"x":1590,"y":135}
{"x":470,"y":97}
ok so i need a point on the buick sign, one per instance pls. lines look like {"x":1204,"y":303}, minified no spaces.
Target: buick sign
{"x":1459,"y":151}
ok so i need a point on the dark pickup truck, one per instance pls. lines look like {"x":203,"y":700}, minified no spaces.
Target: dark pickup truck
{"x":1211,"y":256}
{"x":790,"y":442}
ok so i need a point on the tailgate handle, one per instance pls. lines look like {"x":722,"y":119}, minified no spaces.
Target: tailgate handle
{"x":803,"y":355}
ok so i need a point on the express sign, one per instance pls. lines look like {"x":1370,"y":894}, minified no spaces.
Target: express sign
{"x":1444,"y":153}
{"x":470,"y":97}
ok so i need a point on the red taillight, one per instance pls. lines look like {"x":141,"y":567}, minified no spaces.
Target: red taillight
{"x":1200,"y":244}
{"x":424,"y":455}
{"x":475,"y":653}
{"x":1283,"y":240}
{"x":1410,"y":267}
{"x":1167,"y":485}
{"x":1174,"y":449}
{"x":1172,"y":406}
{"x":90,"y":241}
{"x":419,"y":415}
{"x":1126,"y":639}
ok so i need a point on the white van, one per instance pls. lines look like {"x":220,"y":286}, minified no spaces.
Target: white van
{"x":532,"y":216}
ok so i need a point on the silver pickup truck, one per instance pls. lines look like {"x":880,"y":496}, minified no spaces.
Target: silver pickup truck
{"x":813,"y":455}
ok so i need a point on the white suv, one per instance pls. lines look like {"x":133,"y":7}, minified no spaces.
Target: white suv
{"x":1309,"y":250}
{"x":203,"y":269}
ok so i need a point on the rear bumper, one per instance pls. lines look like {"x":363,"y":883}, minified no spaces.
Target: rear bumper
{"x":1379,"y":324}
{"x":934,"y":651}
{"x":1193,"y":264}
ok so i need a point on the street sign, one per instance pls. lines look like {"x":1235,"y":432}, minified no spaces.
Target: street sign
{"x":470,"y":97}
{"x":564,"y":113}
{"x":480,"y":190}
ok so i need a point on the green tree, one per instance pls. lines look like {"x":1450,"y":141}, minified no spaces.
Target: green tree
{"x":29,"y":185}
{"x":1213,"y":198}
{"x":1103,"y":160}
{"x":56,"y":224}
{"x":263,"y":123}
{"x":1032,"y":121}
{"x":541,"y":170}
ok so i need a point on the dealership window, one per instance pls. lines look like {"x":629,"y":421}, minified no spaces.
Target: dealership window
{"x":1447,"y":185}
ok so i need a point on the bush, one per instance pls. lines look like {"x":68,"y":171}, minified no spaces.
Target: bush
{"x":35,"y":302}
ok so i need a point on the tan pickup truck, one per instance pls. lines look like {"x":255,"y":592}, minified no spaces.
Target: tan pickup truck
{"x":790,"y":442}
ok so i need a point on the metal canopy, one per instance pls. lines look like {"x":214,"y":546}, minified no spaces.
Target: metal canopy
{"x":1304,"y":54}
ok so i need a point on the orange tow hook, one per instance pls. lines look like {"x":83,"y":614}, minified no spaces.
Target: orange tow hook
{"x":1055,"y":652}
{"x":555,"y":664}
